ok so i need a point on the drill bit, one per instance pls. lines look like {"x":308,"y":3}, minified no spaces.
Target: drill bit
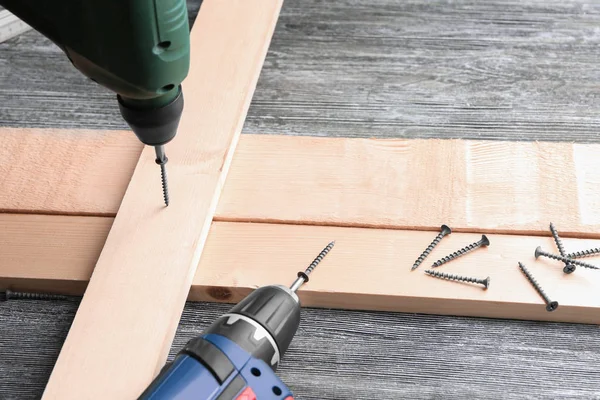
{"x":303,"y":275}
{"x":161,"y":159}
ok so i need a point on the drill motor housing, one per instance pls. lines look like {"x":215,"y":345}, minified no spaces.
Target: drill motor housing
{"x":236,"y":357}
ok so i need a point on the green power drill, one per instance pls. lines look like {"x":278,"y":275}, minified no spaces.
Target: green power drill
{"x":140,"y":49}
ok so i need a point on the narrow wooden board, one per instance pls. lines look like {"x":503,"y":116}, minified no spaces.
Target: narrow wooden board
{"x":124,"y":327}
{"x":55,"y":171}
{"x":368,"y":269}
{"x":505,"y":187}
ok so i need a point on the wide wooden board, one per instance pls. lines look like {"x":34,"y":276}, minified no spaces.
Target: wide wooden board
{"x":507,"y":187}
{"x":368,"y":269}
{"x":124,"y":327}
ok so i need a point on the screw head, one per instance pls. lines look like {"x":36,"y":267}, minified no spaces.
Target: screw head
{"x":445,"y":230}
{"x":486,"y":282}
{"x":538,"y":251}
{"x":553,"y":305}
{"x":485,"y":241}
{"x":569,"y":269}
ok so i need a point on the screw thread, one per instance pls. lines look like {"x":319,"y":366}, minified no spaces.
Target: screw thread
{"x":569,"y":267}
{"x":456,"y":254}
{"x":452,"y":277}
{"x":319,"y":258}
{"x":165,"y":182}
{"x":565,"y":259}
{"x":428,"y":250}
{"x":584,"y":253}
{"x":534,"y":283}
{"x":10,"y":295}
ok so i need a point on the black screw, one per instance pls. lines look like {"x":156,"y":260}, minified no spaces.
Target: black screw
{"x":10,"y":295}
{"x":458,"y":253}
{"x":569,"y":267}
{"x":540,"y":252}
{"x":550,"y":305}
{"x":303,"y":275}
{"x":485,"y":282}
{"x":445,"y":230}
{"x":584,"y":253}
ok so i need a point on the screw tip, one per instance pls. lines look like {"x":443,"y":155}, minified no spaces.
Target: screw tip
{"x":538,"y":251}
{"x":415,"y":266}
{"x":553,"y":305}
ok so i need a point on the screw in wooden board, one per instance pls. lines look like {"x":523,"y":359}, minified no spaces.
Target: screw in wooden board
{"x":10,"y":295}
{"x":584,"y":253}
{"x":550,"y":305}
{"x":459,"y":253}
{"x":540,"y":252}
{"x":485,"y":282}
{"x":569,"y":267}
{"x":444,"y":230}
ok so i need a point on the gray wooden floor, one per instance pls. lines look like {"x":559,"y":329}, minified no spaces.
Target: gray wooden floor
{"x":468,"y":69}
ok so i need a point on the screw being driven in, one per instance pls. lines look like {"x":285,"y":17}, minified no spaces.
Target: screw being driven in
{"x":303,"y":275}
{"x":442,"y":275}
{"x":550,"y":305}
{"x":569,"y":267}
{"x":540,"y":252}
{"x":445,"y":230}
{"x":584,"y":253}
{"x":459,"y":253}
{"x":161,"y":159}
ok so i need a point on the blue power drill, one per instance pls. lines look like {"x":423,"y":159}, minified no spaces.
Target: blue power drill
{"x":236,"y":357}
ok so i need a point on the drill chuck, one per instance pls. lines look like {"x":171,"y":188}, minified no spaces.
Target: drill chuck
{"x":154,"y":126}
{"x":263,"y":324}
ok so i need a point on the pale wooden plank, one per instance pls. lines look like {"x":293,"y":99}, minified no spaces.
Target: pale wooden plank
{"x":368,"y":269}
{"x":125,"y":324}
{"x":50,"y":253}
{"x":59,"y":171}
{"x":503,"y":187}
{"x":508,"y":187}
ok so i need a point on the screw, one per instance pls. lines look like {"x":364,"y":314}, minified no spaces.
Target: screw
{"x":550,"y":305}
{"x":569,"y":267}
{"x":442,"y":275}
{"x":584,"y":253}
{"x":10,"y":295}
{"x":483,"y":242}
{"x":540,"y":252}
{"x":161,"y":159}
{"x":303,"y":275}
{"x":445,"y":230}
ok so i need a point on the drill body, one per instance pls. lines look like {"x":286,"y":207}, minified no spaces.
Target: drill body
{"x":139,"y":49}
{"x":236,"y":357}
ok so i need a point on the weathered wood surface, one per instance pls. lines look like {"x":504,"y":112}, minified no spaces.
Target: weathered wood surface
{"x":502,"y":69}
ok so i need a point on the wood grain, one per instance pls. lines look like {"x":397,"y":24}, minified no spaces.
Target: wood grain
{"x":507,"y":187}
{"x":500,"y":69}
{"x":57,"y":171}
{"x":124,"y":327}
{"x":368,"y":269}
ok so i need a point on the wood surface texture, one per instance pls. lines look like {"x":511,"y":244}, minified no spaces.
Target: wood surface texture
{"x":58,"y":171}
{"x":502,"y":69}
{"x":124,"y":327}
{"x":506,"y":187}
{"x":350,"y":277}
